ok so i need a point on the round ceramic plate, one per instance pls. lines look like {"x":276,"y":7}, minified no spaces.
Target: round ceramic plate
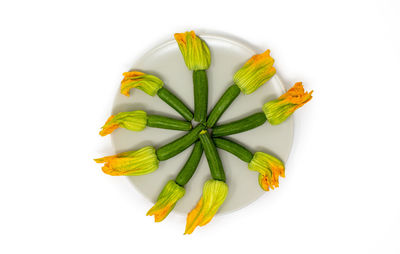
{"x":166,"y":62}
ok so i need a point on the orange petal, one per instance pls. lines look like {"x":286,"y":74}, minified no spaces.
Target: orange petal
{"x":194,"y":218}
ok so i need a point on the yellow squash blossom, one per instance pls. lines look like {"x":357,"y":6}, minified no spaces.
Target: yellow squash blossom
{"x":255,"y":72}
{"x":133,"y":120}
{"x":140,"y":162}
{"x":280,"y":109}
{"x":147,"y":83}
{"x":194,"y":50}
{"x":269,"y":167}
{"x":166,"y":201}
{"x":214,"y":194}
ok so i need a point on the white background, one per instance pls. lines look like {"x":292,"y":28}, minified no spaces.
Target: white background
{"x":60,"y":66}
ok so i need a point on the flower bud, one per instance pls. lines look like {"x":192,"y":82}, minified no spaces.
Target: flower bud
{"x":133,"y":120}
{"x":147,"y":83}
{"x":140,"y":162}
{"x":280,"y":109}
{"x":214,"y":194}
{"x":269,"y":167}
{"x":255,"y":72}
{"x":166,"y":201}
{"x":195,"y":51}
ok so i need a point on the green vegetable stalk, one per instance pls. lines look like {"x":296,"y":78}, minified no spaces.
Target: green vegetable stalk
{"x":214,"y":161}
{"x":177,"y":146}
{"x":173,"y":101}
{"x":191,"y":165}
{"x":245,"y":124}
{"x":223,"y":103}
{"x":200,"y":87}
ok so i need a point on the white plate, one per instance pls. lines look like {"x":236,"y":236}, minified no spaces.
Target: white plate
{"x":166,"y":62}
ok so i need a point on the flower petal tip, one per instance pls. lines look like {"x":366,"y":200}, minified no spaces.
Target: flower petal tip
{"x":109,"y":126}
{"x":99,"y":160}
{"x":214,"y":195}
{"x":166,"y":201}
{"x":277,"y":111}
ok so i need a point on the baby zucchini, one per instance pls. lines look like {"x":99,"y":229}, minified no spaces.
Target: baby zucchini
{"x":224,"y":102}
{"x":200,"y":87}
{"x":175,"y":103}
{"x":214,"y":161}
{"x":170,"y":150}
{"x":241,"y":125}
{"x":168,"y":123}
{"x":238,"y":150}
{"x":191,"y":165}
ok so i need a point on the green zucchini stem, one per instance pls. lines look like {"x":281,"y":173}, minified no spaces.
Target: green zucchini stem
{"x":234,"y":148}
{"x":214,"y":161}
{"x":223,"y":103}
{"x":241,"y":125}
{"x":191,"y":165}
{"x":200,"y":89}
{"x":177,"y":146}
{"x":163,"y":122}
{"x":173,"y":101}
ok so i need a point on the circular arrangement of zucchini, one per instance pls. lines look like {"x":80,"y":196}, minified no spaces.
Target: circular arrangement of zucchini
{"x":205,"y":135}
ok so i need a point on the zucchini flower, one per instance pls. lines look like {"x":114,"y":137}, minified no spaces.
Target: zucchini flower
{"x":194,"y":50}
{"x":166,"y":201}
{"x":152,"y":85}
{"x":214,"y":194}
{"x":147,"y":83}
{"x":138,"y":120}
{"x":255,"y":72}
{"x":269,"y":167}
{"x":280,"y":109}
{"x":140,"y":162}
{"x":134,"y":121}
